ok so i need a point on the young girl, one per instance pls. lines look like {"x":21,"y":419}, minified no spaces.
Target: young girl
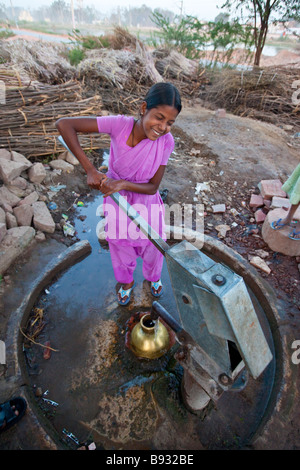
{"x":292,"y":188}
{"x":139,"y":152}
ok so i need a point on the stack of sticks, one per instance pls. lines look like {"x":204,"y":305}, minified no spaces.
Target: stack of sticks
{"x":27,"y":123}
{"x":267,"y":94}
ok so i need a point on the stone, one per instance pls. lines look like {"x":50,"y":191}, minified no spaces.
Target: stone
{"x":202,"y":187}
{"x":42,"y":219}
{"x":13,"y":244}
{"x":9,"y":170}
{"x":259,"y":216}
{"x":61,"y":165}
{"x":5,"y":154}
{"x":24,"y":214}
{"x":30,"y":199}
{"x":20,"y":182}
{"x":217,"y":208}
{"x":278,"y":202}
{"x":3,"y":231}
{"x":37,"y":173}
{"x":40,"y":236}
{"x":16,"y":191}
{"x":256,"y":200}
{"x":18,"y":157}
{"x":262,"y":253}
{"x":11,"y":221}
{"x":7,"y":197}
{"x":6,"y":207}
{"x":260,"y":264}
{"x":220,"y":113}
{"x":70,"y":158}
{"x":222,"y":230}
{"x":278,"y":240}
{"x":270,"y":188}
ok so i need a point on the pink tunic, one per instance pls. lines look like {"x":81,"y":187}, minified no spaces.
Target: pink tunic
{"x":138,"y":165}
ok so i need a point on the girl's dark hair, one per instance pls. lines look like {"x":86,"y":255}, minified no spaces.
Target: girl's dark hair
{"x":163,"y":93}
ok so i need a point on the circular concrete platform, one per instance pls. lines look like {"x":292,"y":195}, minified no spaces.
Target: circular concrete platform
{"x":279,"y":393}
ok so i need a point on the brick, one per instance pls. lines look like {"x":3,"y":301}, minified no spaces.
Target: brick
{"x":271,"y":188}
{"x":259,"y":216}
{"x":267,"y":203}
{"x":218,"y":208}
{"x":256,"y":201}
{"x":278,"y":202}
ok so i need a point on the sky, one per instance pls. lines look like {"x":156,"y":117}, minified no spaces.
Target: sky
{"x":203,"y":9}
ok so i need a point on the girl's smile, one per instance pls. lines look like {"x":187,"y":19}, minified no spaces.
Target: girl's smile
{"x":157,"y":121}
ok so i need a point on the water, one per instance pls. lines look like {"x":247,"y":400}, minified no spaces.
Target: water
{"x":39,"y":35}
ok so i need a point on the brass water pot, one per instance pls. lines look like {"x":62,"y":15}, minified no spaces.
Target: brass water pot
{"x":149,"y":338}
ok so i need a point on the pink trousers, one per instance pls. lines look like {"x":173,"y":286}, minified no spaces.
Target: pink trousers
{"x":124,"y":261}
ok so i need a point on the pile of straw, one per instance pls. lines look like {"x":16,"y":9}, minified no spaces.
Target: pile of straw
{"x":38,"y":60}
{"x":122,"y":69}
{"x":264,"y":94}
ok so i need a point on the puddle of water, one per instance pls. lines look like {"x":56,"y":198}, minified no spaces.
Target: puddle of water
{"x":102,"y":389}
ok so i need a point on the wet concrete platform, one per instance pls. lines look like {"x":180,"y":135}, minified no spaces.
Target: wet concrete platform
{"x":105,"y":393}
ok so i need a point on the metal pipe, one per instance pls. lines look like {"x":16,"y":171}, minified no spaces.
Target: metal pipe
{"x":158,"y":310}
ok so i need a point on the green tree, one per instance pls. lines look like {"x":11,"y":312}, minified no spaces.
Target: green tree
{"x":261,"y":13}
{"x":190,"y":36}
{"x":185,"y":34}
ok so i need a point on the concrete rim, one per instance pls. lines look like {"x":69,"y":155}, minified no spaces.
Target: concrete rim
{"x":212,"y":247}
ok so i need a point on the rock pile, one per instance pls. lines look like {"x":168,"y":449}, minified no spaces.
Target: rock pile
{"x":24,"y":214}
{"x":273,"y":205}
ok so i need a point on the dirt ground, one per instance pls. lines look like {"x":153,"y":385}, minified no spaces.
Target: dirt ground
{"x":232,"y":155}
{"x":235,"y":155}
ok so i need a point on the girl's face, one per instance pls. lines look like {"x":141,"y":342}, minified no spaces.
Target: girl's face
{"x":157,"y":121}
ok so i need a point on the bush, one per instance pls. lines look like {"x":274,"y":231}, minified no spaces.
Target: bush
{"x":76,"y":55}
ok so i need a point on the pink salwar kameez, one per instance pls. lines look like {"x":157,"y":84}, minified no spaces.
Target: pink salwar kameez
{"x":138,"y":165}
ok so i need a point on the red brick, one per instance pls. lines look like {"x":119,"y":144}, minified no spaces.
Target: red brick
{"x":256,"y":201}
{"x":259,"y":216}
{"x":270,"y":188}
